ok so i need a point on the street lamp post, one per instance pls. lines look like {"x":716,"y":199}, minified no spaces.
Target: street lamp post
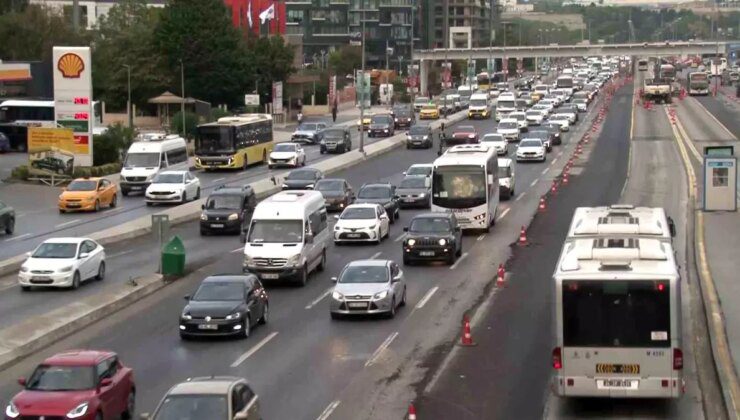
{"x":362,"y":88}
{"x":129,"y":110}
{"x":182,"y":102}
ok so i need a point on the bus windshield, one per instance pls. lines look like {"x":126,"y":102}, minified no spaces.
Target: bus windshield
{"x":459,"y":187}
{"x":214,"y":140}
{"x":616,"y":313}
{"x":565,"y":82}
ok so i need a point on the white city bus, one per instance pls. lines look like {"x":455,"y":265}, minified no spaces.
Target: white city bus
{"x":617,"y":319}
{"x":465,"y":182}
{"x":624,"y":220}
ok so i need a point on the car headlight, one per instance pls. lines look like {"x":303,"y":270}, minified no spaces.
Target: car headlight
{"x":396,"y":119}
{"x":66,"y":269}
{"x":426,"y":137}
{"x":285,"y":185}
{"x":380,"y":295}
{"x":203,"y":216}
{"x":11,"y":411}
{"x":309,"y":186}
{"x":235,"y":315}
{"x":186,"y":316}
{"x":471,"y":136}
{"x":78,"y":411}
{"x":372,"y":227}
{"x":233,"y":216}
{"x":411,"y":242}
{"x":294,"y":260}
{"x":24,"y":269}
{"x":337,"y":296}
{"x":443,"y":241}
{"x":422,"y":195}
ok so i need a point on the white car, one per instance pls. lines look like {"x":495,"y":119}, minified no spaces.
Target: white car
{"x":554,"y":99}
{"x":531,"y":149}
{"x":506,"y":96}
{"x":287,"y":154}
{"x":562,"y":120}
{"x":509,"y":128}
{"x":63,"y":262}
{"x":505,"y":178}
{"x":498,"y":142}
{"x":173,"y":187}
{"x":550,"y":103}
{"x":424,"y":169}
{"x":572,"y":115}
{"x":521,"y":119}
{"x":535,"y":117}
{"x":366,"y":222}
{"x":581,"y":104}
{"x":545,"y":109}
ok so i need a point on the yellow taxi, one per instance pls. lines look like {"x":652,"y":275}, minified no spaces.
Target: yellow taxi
{"x":365,"y":122}
{"x":88,"y":194}
{"x":429,"y":111}
{"x":536,"y":96}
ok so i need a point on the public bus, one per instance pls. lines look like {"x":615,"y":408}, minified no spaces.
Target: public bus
{"x":484,"y":81}
{"x":642,"y":64}
{"x":565,"y":83}
{"x":698,"y":83}
{"x":624,"y":220}
{"x":234,"y":142}
{"x":617,"y":316}
{"x":465,"y":182}
{"x":667,"y":71}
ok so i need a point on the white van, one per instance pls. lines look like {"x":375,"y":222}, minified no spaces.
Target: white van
{"x":288,"y":237}
{"x":479,"y":107}
{"x":148,"y":156}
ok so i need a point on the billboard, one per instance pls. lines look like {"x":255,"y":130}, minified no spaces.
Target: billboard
{"x":277,"y":98}
{"x":53,"y":150}
{"x":73,"y":104}
{"x":332,"y":90}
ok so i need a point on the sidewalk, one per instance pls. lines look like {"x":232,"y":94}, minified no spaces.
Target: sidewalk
{"x":347,"y":117}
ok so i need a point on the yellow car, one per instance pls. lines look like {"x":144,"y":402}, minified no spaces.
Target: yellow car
{"x":365,"y":122}
{"x":88,"y":194}
{"x":536,"y":96}
{"x":429,"y":111}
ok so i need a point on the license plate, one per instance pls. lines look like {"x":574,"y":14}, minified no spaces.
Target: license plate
{"x":618,"y":383}
{"x":207,"y":327}
{"x":217,"y":225}
{"x":41,"y":277}
{"x":71,"y":205}
{"x":426,"y":253}
{"x":353,"y":235}
{"x":136,"y":188}
{"x":357,"y":305}
{"x":270,"y":276}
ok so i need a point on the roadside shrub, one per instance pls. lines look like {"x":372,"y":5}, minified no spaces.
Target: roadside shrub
{"x":191,"y":123}
{"x":20,"y":172}
{"x":217,"y":113}
{"x":109,"y":146}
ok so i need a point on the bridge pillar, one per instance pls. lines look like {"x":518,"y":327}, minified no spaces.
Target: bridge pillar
{"x":423,"y":77}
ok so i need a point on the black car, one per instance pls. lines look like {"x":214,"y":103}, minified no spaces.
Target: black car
{"x":432,"y":237}
{"x":404,"y":116}
{"x":302,"y":179}
{"x":420,"y":136}
{"x":415,"y":191}
{"x":545,"y":136}
{"x":336,"y":140}
{"x":225,"y":304}
{"x":381,"y":125}
{"x":7,"y":218}
{"x":52,"y":164}
{"x":383,"y":194}
{"x":228,"y":210}
{"x":554,"y":129}
{"x":337,"y":192}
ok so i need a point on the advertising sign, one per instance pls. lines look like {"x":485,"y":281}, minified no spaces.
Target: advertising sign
{"x":53,"y":150}
{"x":277,"y":98}
{"x":73,"y":104}
{"x":252,"y":100}
{"x":332,"y":90}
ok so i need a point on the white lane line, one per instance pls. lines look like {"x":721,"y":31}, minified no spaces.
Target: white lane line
{"x":426,"y":297}
{"x":234,"y":251}
{"x":459,"y":260}
{"x":520,"y":196}
{"x":503,"y":214}
{"x":67,"y":223}
{"x":554,"y":161}
{"x":120,"y":254}
{"x":314,"y":302}
{"x":15,"y":238}
{"x":534,"y":182}
{"x":218,"y":179}
{"x":480,"y":238}
{"x":8,"y":286}
{"x":254,"y":349}
{"x":400,"y":237}
{"x":560,"y":154}
{"x":544,"y":171}
{"x":373,"y":358}
{"x":376,"y":255}
{"x":329,"y":409}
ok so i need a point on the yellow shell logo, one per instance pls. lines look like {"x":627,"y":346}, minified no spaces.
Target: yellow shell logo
{"x":71,"y":65}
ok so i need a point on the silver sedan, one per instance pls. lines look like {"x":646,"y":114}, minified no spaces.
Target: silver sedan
{"x":368,"y":287}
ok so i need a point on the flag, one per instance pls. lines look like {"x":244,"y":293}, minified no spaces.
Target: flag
{"x":249,"y":14}
{"x":268,"y":14}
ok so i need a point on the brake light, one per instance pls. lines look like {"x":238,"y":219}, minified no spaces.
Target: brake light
{"x":677,"y":359}
{"x":557,"y":358}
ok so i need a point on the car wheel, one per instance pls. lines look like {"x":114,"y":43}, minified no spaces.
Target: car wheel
{"x":197,"y":194}
{"x":124,"y":192}
{"x":335,"y":315}
{"x":246,"y":327}
{"x":303,"y":277}
{"x":408,"y":147}
{"x":322,"y":151}
{"x":265,"y":314}
{"x":203,"y":232}
{"x":184,"y":197}
{"x":403,"y":298}
{"x":407,"y":261}
{"x":451,"y":259}
{"x":114,"y":201}
{"x":392,"y":312}
{"x":270,"y":166}
{"x":25,"y":288}
{"x":322,"y":264}
{"x":128,"y":413}
{"x":101,"y":272}
{"x":75,"y":281}
{"x":149,"y":204}
{"x":97,"y":206}
{"x":379,"y":236}
{"x":392,"y":218}
{"x":459,"y":251}
{"x":10,"y":226}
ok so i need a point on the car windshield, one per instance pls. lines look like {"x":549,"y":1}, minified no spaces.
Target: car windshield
{"x":214,"y":139}
{"x":358,"y":213}
{"x":505,"y":104}
{"x":508,"y":125}
{"x":430,"y":107}
{"x":142,"y":160}
{"x":276,"y":231}
{"x":55,"y":250}
{"x":380,"y":119}
{"x":430,"y":225}
{"x":530,"y":143}
{"x":301,"y":175}
{"x":61,"y":378}
{"x":478,"y":102}
{"x":284,"y":148}
{"x":193,"y":407}
{"x":504,"y":172}
{"x":364,"y":274}
{"x":419,"y":130}
{"x":459,"y":186}
{"x":403,"y":112}
{"x":333,"y":134}
{"x":374,"y":192}
{"x":168,"y":179}
{"x":414,"y":182}
{"x":533,"y":113}
{"x":421,"y":100}
{"x":224,"y":202}
{"x":465,"y":129}
{"x":82,"y":186}
{"x":419,"y":170}
{"x":542,"y":135}
{"x":329,"y":185}
{"x":219,"y":291}
{"x":307,"y":127}
{"x":493,"y":137}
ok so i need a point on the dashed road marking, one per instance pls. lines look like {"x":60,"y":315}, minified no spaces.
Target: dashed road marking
{"x":426,"y":297}
{"x":380,"y":349}
{"x":254,"y":349}
{"x":376,"y":255}
{"x":314,"y":302}
{"x":234,"y":251}
{"x":480,"y":238}
{"x":328,"y":410}
{"x":15,"y":238}
{"x":534,"y":182}
{"x":459,"y":260}
{"x":544,"y":171}
{"x":520,"y":196}
{"x":400,"y":237}
{"x":503,"y":214}
{"x":67,"y":223}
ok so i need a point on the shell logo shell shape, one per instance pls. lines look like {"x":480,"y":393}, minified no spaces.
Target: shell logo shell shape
{"x":71,"y":65}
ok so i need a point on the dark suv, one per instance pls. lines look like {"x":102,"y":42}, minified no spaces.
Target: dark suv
{"x":335,"y":140}
{"x":432,"y":237}
{"x":381,"y":125}
{"x":404,"y":116}
{"x":228,"y":210}
{"x":383,"y":194}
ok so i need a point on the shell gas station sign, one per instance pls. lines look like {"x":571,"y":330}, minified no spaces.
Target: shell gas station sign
{"x":73,"y":104}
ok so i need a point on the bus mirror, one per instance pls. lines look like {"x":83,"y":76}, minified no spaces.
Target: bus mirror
{"x":672,"y":227}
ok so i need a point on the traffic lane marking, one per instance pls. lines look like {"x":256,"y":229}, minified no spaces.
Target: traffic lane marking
{"x":426,"y":297}
{"x":254,"y":349}
{"x":67,"y":223}
{"x":503,"y":214}
{"x":534,"y":182}
{"x":459,"y":260}
{"x":374,"y":357}
{"x":15,"y":238}
{"x":400,"y":237}
{"x":314,"y":302}
{"x":328,"y":410}
{"x":234,"y":251}
{"x":520,"y":196}
{"x":119,"y":254}
{"x":376,"y":255}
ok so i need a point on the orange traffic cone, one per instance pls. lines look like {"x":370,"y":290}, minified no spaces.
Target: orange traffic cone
{"x":542,"y":206}
{"x":500,"y":276}
{"x":467,"y":338}
{"x":412,"y":412}
{"x":523,"y":237}
{"x":565,"y":178}
{"x":554,"y":188}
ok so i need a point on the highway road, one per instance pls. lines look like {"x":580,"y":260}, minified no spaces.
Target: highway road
{"x":302,"y":363}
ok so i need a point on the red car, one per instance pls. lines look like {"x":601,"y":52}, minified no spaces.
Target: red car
{"x":463,"y":134}
{"x":78,"y":384}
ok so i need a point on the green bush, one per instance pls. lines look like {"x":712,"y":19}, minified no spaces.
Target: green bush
{"x":217,"y":113}
{"x":109,"y":146}
{"x":191,"y":122}
{"x":20,"y":172}
{"x":96,"y":171}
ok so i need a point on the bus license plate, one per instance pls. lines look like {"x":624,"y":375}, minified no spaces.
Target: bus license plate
{"x":617,"y":384}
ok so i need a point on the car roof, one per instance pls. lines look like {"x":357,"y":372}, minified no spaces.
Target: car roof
{"x":422,"y":165}
{"x":66,"y":240}
{"x":78,"y":358}
{"x":378,"y":184}
{"x":173,"y":172}
{"x":312,"y":170}
{"x":429,"y":215}
{"x":289,"y":143}
{"x":362,"y":205}
{"x":326,"y":180}
{"x":230,"y":278}
{"x":227,"y":190}
{"x":90,"y":178}
{"x":371,"y":263}
{"x":504,"y":162}
{"x":205,"y":385}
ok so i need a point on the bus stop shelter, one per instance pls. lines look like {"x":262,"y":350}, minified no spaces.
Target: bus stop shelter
{"x":168,"y":104}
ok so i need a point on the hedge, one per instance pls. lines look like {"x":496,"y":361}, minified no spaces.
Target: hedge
{"x":22,"y":172}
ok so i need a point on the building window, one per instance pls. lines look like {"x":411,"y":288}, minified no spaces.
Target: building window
{"x":320,"y":3}
{"x":295,"y":16}
{"x":399,"y":32}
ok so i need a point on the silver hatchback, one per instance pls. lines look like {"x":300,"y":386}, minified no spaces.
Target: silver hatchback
{"x":366,"y":287}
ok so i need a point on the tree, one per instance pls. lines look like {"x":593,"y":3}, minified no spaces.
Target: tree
{"x":273,"y":62}
{"x":126,"y":37}
{"x":345,"y":60}
{"x":199,"y":34}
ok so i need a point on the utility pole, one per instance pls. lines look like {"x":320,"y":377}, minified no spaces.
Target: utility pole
{"x":362,"y":88}
{"x":129,"y":110}
{"x":182,"y":103}
{"x":412,"y":73}
{"x":76,"y":15}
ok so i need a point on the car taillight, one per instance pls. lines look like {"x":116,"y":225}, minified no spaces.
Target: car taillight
{"x":557,"y":358}
{"x":677,"y":359}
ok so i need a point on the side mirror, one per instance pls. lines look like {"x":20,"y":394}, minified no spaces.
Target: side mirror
{"x":395,"y":197}
{"x":404,"y":172}
{"x":672,"y":227}
{"x":106,"y":382}
{"x":457,"y":229}
{"x":84,"y":255}
{"x":28,"y":254}
{"x":336,"y":216}
{"x":406,"y":229}
{"x":202,"y":206}
{"x":186,"y":297}
{"x":396,"y":279}
{"x":22,"y":381}
{"x":334,"y":279}
{"x":309,"y":238}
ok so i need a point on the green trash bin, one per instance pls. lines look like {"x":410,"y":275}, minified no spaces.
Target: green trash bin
{"x":173,"y":257}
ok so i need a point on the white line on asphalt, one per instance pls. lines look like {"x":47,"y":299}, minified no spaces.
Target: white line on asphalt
{"x":67,"y":223}
{"x":254,"y":349}
{"x":520,"y":196}
{"x":329,"y":409}
{"x":320,"y":298}
{"x":480,"y":238}
{"x":534,"y":182}
{"x":560,"y":154}
{"x":218,"y":179}
{"x":120,"y":254}
{"x":8,"y":286}
{"x":380,"y":349}
{"x":376,"y":255}
{"x":554,"y":161}
{"x":426,"y":297}
{"x":234,"y":251}
{"x":544,"y":171}
{"x":15,"y":238}
{"x":459,"y":260}
{"x":505,"y":212}
{"x":400,"y":237}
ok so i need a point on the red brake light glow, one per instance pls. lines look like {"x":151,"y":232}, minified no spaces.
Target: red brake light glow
{"x":557,"y":358}
{"x":677,"y":359}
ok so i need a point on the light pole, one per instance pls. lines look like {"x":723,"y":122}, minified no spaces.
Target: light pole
{"x":182,"y":102}
{"x":129,"y":111}
{"x":362,"y":88}
{"x":411,"y":52}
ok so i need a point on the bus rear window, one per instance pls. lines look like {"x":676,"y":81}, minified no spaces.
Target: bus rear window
{"x":616,"y":314}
